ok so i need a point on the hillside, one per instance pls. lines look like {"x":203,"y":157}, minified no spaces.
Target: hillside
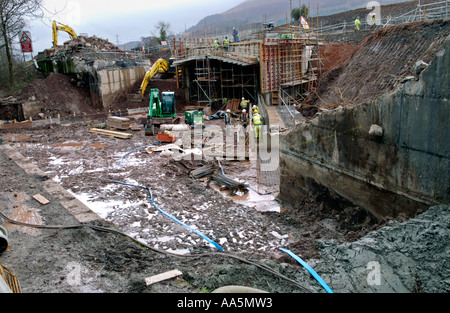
{"x":252,"y":11}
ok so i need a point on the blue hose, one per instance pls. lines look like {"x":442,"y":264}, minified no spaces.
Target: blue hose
{"x":154,"y":144}
{"x":154,"y":204}
{"x":309,"y":268}
{"x":165,"y":213}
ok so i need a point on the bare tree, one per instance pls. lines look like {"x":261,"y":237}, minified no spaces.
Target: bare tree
{"x":12,"y":22}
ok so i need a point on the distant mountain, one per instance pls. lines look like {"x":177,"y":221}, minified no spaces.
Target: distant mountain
{"x":276,"y":11}
{"x":131,"y":45}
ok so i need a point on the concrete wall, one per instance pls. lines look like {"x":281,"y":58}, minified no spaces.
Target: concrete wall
{"x":31,"y":108}
{"x":110,"y":82}
{"x":107,"y":78}
{"x":404,"y":169}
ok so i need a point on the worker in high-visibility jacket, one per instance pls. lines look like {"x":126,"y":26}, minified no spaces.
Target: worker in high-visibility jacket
{"x":216,"y":43}
{"x":357,"y":23}
{"x":257,"y":122}
{"x":227,"y":118}
{"x":244,"y":104}
{"x":226,"y":43}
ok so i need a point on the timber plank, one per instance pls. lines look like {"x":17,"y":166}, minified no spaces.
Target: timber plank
{"x":110,"y":133}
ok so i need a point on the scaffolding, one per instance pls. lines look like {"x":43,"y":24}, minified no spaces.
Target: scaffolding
{"x":287,"y":57}
{"x":206,"y":80}
{"x":238,"y":82}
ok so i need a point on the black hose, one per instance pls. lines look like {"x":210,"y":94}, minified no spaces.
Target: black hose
{"x":118,"y":232}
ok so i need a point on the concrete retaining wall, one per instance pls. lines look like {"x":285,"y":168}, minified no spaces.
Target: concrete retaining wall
{"x":403,"y":169}
{"x":110,"y":82}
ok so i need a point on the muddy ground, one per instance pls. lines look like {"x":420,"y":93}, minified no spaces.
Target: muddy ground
{"x":78,"y":160}
{"x":87,"y":260}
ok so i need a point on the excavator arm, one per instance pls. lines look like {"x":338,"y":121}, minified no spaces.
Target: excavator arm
{"x":59,"y":26}
{"x":160,"y":66}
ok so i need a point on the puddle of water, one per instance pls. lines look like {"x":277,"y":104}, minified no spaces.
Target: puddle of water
{"x":262,"y":203}
{"x":103,"y":209}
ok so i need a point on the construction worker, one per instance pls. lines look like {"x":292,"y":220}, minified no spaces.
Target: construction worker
{"x":357,"y":23}
{"x":255,"y":110}
{"x":226,"y":43}
{"x":244,"y":118}
{"x":257,"y":121}
{"x":244,"y":104}
{"x":373,"y":21}
{"x":228,"y":118}
{"x":216,"y":43}
{"x":235,"y":35}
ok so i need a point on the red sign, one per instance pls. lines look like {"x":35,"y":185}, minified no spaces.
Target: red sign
{"x":26,"y":43}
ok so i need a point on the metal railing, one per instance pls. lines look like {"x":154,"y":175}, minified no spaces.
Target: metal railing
{"x":289,"y":103}
{"x":245,"y":51}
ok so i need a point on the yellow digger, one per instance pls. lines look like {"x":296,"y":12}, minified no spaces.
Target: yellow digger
{"x":161,"y":66}
{"x":59,"y":26}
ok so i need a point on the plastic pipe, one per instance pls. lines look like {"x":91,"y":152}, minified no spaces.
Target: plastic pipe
{"x":3,"y":239}
{"x":309,"y":268}
{"x":121,"y":160}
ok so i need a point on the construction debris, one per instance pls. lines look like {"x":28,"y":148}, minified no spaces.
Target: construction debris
{"x":203,"y":171}
{"x":82,"y":44}
{"x":111,"y":133}
{"x":227,"y":183}
{"x":41,"y":199}
{"x":167,"y":136}
{"x":164,"y":276}
{"x":120,"y":123}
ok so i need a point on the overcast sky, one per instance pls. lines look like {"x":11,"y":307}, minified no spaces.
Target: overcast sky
{"x":125,"y":20}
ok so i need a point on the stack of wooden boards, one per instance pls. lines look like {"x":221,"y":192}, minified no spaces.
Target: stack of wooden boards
{"x":116,"y":122}
{"x":111,"y":133}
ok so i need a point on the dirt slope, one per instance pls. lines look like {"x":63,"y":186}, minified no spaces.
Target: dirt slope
{"x":58,"y":95}
{"x":380,"y":61}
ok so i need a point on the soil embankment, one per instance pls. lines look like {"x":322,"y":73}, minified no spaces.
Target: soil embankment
{"x":382,"y":60}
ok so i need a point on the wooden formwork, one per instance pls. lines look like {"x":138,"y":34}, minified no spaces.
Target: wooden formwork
{"x":233,"y":105}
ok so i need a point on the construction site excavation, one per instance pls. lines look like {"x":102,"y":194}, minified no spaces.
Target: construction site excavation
{"x":297,"y":158}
